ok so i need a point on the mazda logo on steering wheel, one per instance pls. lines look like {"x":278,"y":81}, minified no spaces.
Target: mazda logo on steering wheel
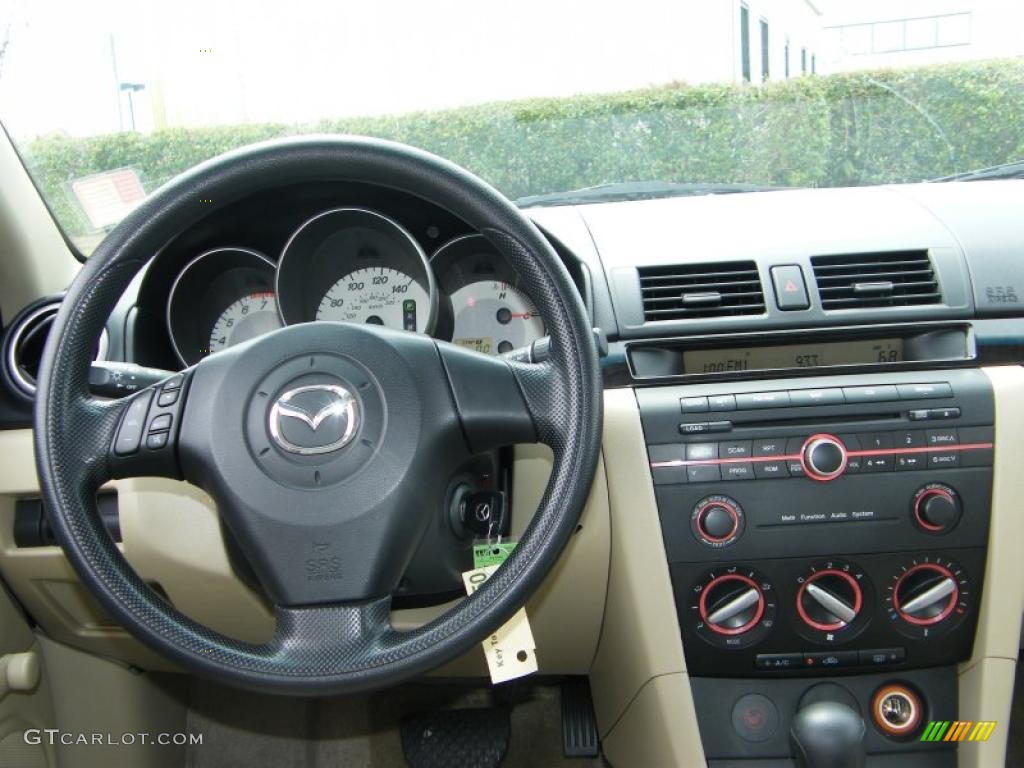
{"x":314,"y":419}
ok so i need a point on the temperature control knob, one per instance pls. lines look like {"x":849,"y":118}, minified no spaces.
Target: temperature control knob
{"x":717,"y":520}
{"x":928,"y":596}
{"x":936,"y":508}
{"x":829,"y":600}
{"x":733,"y":607}
{"x":823,"y":457}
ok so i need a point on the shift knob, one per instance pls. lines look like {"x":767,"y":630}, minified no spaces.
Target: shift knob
{"x":829,"y":731}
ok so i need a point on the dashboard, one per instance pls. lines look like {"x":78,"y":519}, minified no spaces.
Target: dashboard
{"x":338,"y":253}
{"x":803,"y":486}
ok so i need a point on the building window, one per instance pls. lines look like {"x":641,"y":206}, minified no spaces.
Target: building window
{"x":745,"y":42}
{"x":764,"y":49}
{"x":814,"y":64}
{"x":785,"y":59}
{"x":803,"y":61}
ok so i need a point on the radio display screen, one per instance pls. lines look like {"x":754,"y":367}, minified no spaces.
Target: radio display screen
{"x":811,"y":355}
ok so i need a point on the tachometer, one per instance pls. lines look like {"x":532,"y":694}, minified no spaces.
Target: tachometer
{"x":221,"y":298}
{"x":245,"y":319}
{"x":491,"y":316}
{"x":379,"y":296}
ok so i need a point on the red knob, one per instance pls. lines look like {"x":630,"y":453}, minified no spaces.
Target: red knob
{"x":926,"y":594}
{"x":936,"y":508}
{"x":823,"y":457}
{"x":717,"y":520}
{"x":731,"y":604}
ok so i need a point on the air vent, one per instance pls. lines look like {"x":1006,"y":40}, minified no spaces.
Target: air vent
{"x":865,"y":280}
{"x":23,"y":346}
{"x":688,"y":291}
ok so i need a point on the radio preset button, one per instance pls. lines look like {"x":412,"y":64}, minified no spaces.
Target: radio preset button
{"x":693,"y":404}
{"x":722,"y":402}
{"x":942,"y":437}
{"x":805,"y":397}
{"x":876,"y":394}
{"x":924,"y":391}
{"x":748,"y":401}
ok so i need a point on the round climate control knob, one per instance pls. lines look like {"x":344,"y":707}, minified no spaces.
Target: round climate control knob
{"x":823,"y":457}
{"x":717,"y":520}
{"x":928,"y":596}
{"x":733,"y":607}
{"x":830,"y":599}
{"x":936,"y":508}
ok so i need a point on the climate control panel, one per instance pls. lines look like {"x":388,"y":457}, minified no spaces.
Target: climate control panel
{"x":841,"y":535}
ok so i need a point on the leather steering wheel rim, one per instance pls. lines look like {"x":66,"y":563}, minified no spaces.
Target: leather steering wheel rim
{"x":323,"y":647}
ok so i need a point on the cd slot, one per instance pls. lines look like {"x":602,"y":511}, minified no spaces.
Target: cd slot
{"x":833,"y":423}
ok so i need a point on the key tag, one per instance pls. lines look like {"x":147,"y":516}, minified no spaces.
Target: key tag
{"x":511,"y":651}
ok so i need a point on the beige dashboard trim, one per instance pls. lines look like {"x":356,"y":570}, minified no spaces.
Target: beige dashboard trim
{"x":172,"y":538}
{"x":986,"y":681}
{"x":642,"y":697}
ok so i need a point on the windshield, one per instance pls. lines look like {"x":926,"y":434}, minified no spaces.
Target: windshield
{"x":107,"y":100}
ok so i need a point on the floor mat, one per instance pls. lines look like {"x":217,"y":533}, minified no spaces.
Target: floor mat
{"x":247,"y":730}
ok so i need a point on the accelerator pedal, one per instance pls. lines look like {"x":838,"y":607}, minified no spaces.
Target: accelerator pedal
{"x":579,"y":726}
{"x":456,"y":738}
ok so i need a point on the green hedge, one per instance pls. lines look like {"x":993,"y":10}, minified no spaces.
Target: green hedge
{"x":837,"y":130}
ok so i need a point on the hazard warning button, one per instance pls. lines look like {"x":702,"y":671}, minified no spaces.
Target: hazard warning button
{"x":790,"y":290}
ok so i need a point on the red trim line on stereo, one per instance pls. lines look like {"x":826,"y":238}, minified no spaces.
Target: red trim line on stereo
{"x":796,"y":457}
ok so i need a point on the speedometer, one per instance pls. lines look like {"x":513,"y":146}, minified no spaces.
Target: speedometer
{"x":379,"y":296}
{"x":354,"y":265}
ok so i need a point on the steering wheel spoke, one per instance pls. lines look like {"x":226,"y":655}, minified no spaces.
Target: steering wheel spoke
{"x":498,"y":402}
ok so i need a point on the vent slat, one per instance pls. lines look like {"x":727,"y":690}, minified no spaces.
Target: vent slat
{"x":910,"y":274}
{"x":690,"y":291}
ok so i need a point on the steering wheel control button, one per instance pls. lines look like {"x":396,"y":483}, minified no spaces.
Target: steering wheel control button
{"x":831,"y":599}
{"x":129,"y":433}
{"x":936,"y":508}
{"x":717,"y":520}
{"x":790,"y":290}
{"x":156,"y":441}
{"x":823,"y":457}
{"x":168,"y":398}
{"x":174,"y":382}
{"x":755,"y":718}
{"x":733,"y":607}
{"x":161,"y":423}
{"x":928,"y":597}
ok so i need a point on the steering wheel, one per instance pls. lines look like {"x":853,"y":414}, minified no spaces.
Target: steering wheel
{"x":327,"y":447}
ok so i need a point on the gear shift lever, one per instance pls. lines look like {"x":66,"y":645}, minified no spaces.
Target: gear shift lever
{"x":828,"y":731}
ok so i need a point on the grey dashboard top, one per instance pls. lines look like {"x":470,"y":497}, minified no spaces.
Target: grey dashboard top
{"x":973,"y":234}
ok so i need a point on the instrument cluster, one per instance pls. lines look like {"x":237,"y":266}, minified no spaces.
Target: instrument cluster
{"x":352,"y":265}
